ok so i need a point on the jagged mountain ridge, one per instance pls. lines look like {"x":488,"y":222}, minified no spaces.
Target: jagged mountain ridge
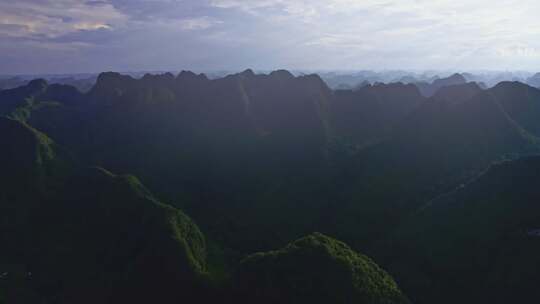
{"x":429,"y":89}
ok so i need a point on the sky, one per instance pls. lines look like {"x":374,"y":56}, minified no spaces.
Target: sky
{"x":74,"y":36}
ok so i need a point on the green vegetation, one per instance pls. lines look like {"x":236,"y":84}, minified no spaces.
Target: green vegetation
{"x":316,"y":269}
{"x":101,"y":235}
{"x":24,"y":111}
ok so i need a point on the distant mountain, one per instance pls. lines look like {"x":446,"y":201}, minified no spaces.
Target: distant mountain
{"x":361,"y":85}
{"x":316,"y":269}
{"x":344,"y":87}
{"x":534,"y":80}
{"x":407,"y":79}
{"x":497,"y":78}
{"x":11,"y":82}
{"x":82,"y":84}
{"x":429,"y":89}
{"x":335,"y":80}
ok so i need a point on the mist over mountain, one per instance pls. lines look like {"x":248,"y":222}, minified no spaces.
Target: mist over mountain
{"x":180,"y":187}
{"x":534,"y":80}
{"x":339,"y":79}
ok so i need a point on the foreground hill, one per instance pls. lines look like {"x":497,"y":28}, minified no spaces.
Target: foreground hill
{"x":478,"y":243}
{"x":87,"y":236}
{"x":316,"y":269}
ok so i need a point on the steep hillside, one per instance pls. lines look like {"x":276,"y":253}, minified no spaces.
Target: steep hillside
{"x":316,"y":269}
{"x":478,"y":243}
{"x":369,"y":114}
{"x":235,"y":145}
{"x":521,"y":102}
{"x":88,"y":236}
{"x":438,"y":147}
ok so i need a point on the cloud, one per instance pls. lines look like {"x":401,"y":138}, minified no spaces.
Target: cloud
{"x":421,"y":33}
{"x":267,"y":34}
{"x":49,"y":19}
{"x":197,"y":23}
{"x":247,"y":6}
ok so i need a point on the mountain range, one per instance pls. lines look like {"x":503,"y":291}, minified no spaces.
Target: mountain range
{"x":179,"y":188}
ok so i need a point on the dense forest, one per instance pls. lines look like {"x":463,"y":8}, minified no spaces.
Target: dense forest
{"x":269,"y":188}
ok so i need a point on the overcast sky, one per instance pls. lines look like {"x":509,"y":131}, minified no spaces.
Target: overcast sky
{"x":57,"y":36}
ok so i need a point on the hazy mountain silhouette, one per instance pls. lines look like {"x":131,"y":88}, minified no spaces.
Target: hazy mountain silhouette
{"x":429,"y":89}
{"x":11,"y":82}
{"x":534,"y":80}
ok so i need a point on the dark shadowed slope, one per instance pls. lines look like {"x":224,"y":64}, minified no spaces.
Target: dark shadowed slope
{"x":88,"y":236}
{"x":369,"y":114}
{"x":436,"y":148}
{"x":521,"y":102}
{"x":231,"y":145}
{"x":478,"y":243}
{"x":456,"y":94}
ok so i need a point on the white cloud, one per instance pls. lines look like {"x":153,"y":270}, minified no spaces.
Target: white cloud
{"x":410,"y":33}
{"x":248,"y":6}
{"x":199,"y":23}
{"x":295,"y":34}
{"x":54,"y":18}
